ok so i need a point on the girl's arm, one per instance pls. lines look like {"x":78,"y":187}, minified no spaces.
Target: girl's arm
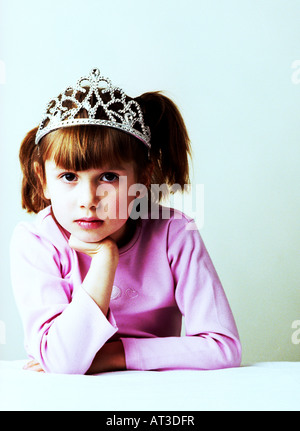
{"x":211,"y":340}
{"x":98,"y":284}
{"x":64,"y":329}
{"x":99,"y":280}
{"x":110,"y":357}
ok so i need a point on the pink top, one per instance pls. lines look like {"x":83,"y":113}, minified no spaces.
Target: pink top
{"x":164,"y":272}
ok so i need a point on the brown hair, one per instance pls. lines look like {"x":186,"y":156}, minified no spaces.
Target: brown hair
{"x":84,"y":147}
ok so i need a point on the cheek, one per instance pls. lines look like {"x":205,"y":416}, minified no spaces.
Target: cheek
{"x":61,"y":205}
{"x":50,"y":190}
{"x":46,"y":191}
{"x":115,"y":206}
{"x":108,"y":207}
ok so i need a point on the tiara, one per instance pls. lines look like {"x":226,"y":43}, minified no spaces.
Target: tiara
{"x":91,"y":94}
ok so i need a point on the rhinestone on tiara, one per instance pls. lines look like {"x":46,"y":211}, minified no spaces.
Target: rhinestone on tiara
{"x":92,"y":97}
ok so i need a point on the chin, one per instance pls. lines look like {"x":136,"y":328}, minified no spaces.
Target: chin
{"x":89,"y":237}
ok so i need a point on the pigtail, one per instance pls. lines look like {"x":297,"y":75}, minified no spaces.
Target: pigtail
{"x":170,"y":144}
{"x":32,"y":195}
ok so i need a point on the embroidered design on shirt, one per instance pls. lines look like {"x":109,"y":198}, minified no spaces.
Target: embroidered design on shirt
{"x":117,"y":293}
{"x":131,"y":293}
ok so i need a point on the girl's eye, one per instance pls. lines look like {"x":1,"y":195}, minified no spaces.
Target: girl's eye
{"x":69,"y":177}
{"x":109,"y":177}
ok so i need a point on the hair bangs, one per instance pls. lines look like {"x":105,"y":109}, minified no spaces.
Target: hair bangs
{"x":89,"y":147}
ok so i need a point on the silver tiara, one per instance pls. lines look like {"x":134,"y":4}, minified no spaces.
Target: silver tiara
{"x":90,"y":94}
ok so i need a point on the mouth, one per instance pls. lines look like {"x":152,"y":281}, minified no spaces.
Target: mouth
{"x":89,"y":223}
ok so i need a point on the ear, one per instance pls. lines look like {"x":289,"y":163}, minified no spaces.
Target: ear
{"x":39,"y":173}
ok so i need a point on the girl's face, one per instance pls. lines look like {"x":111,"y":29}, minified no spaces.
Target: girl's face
{"x":91,"y":204}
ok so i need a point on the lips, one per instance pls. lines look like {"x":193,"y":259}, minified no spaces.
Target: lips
{"x":89,"y":222}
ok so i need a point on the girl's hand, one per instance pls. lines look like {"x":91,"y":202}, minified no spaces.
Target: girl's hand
{"x":105,"y":253}
{"x":33,"y":365}
{"x":110,"y":357}
{"x":99,"y":280}
{"x":106,"y":246}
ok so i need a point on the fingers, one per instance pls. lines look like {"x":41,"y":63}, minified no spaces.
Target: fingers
{"x":89,"y":248}
{"x":33,"y":365}
{"x":92,"y":248}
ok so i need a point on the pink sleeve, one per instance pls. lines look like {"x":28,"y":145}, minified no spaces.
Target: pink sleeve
{"x":62,"y":331}
{"x":211,"y":340}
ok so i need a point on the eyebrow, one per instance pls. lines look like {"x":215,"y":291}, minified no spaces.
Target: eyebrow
{"x":103,"y":168}
{"x":114,"y":168}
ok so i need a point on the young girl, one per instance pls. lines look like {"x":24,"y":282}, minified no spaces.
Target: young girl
{"x":100,"y":283}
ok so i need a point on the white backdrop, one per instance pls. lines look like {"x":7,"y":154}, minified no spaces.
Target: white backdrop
{"x":233,"y":67}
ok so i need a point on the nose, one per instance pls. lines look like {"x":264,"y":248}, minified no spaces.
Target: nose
{"x":87,"y":195}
